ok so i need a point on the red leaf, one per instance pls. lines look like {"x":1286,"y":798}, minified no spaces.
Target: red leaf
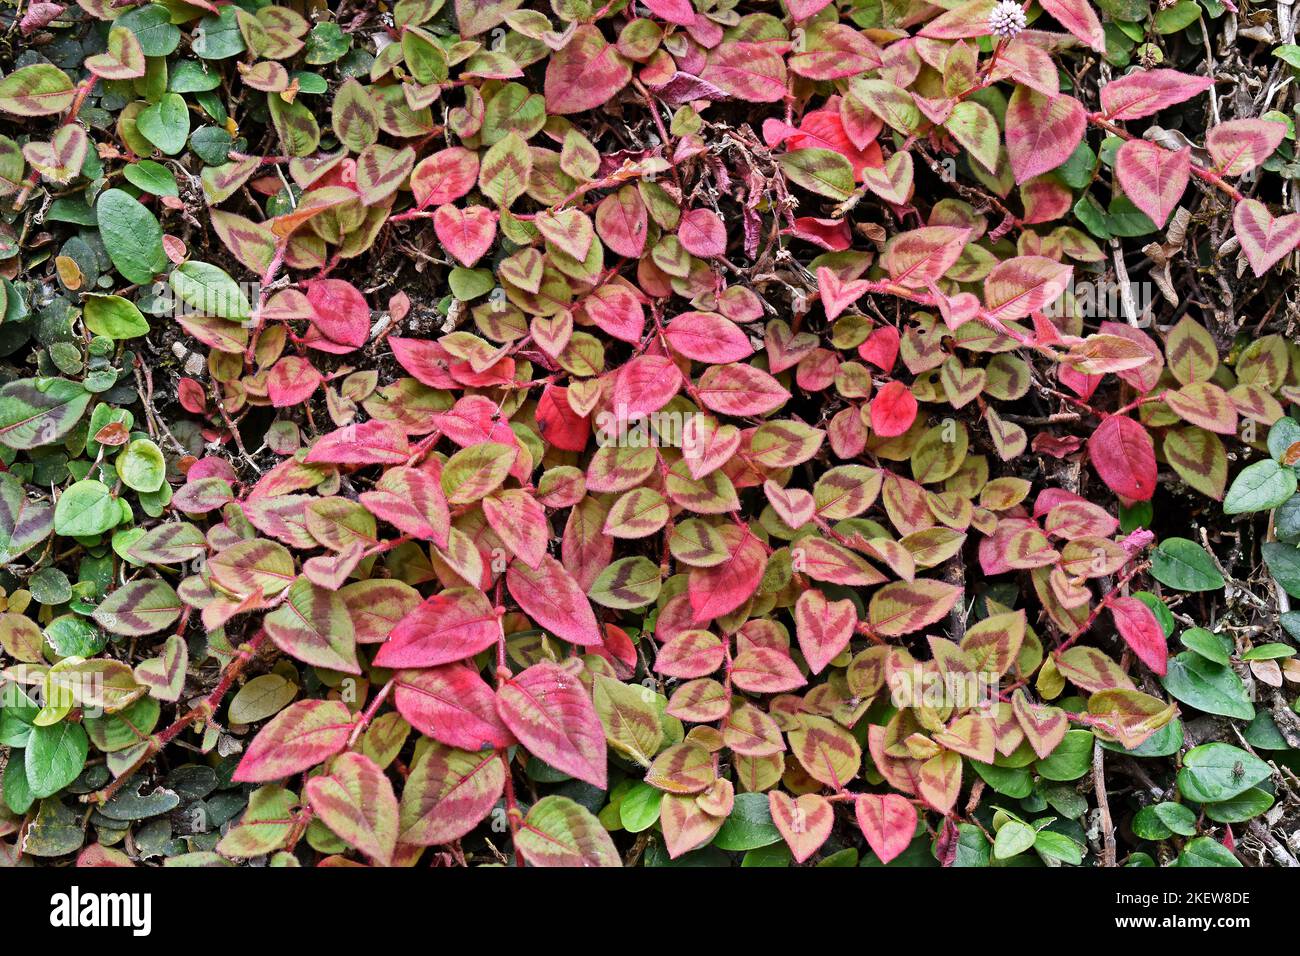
{"x":192,"y":397}
{"x":893,"y":410}
{"x":453,"y":705}
{"x":1125,"y":457}
{"x":447,"y":627}
{"x":881,"y":348}
{"x":1138,"y":626}
{"x":557,"y":422}
{"x":888,"y":821}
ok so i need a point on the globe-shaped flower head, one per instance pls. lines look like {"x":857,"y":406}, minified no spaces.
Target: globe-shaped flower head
{"x":1007,"y":19}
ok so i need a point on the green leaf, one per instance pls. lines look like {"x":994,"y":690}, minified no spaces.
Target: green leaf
{"x":1241,"y":807}
{"x":37,"y":90}
{"x":749,"y":825}
{"x":132,"y":236}
{"x":1013,"y":839}
{"x":141,"y":466}
{"x":640,"y":807}
{"x":39,"y":411}
{"x":143,"y":606}
{"x":1216,"y":771}
{"x":1213,"y":647}
{"x":217,"y":37}
{"x":822,"y":171}
{"x":1283,"y":561}
{"x":166,"y":123}
{"x":559,"y":831}
{"x":1207,"y":686}
{"x":1184,"y":565}
{"x":1071,"y":759}
{"x":1206,"y":851}
{"x":1284,"y":433}
{"x":1259,"y":487}
{"x":54,"y":757}
{"x":210,"y":290}
{"x":152,"y":26}
{"x":86,"y":509}
{"x":1058,"y":846}
{"x":114,"y":317}
{"x":1160,"y":821}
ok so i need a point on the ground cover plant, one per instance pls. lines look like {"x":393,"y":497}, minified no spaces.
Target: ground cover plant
{"x":683,"y":431}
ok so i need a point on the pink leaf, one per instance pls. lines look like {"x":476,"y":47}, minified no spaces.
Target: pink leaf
{"x":444,"y":176}
{"x":837,"y":295}
{"x":803,"y":9}
{"x":1025,"y":284}
{"x":291,"y":381}
{"x":707,"y":337}
{"x":339,"y":311}
{"x":1141,"y":94}
{"x":622,"y":222}
{"x":368,"y":443}
{"x":1078,"y":17}
{"x":453,"y":705}
{"x":520,"y":522}
{"x":552,"y":598}
{"x":721,"y":589}
{"x":1239,"y":146}
{"x":585,"y":74}
{"x":1263,"y":238}
{"x":645,"y":384}
{"x":616,"y":308}
{"x":300,"y":736}
{"x":1042,"y":131}
{"x":702,"y":234}
{"x":888,"y":821}
{"x":465,"y":233}
{"x":547,"y":708}
{"x":674,"y":11}
{"x":1153,"y":177}
{"x":823,"y":627}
